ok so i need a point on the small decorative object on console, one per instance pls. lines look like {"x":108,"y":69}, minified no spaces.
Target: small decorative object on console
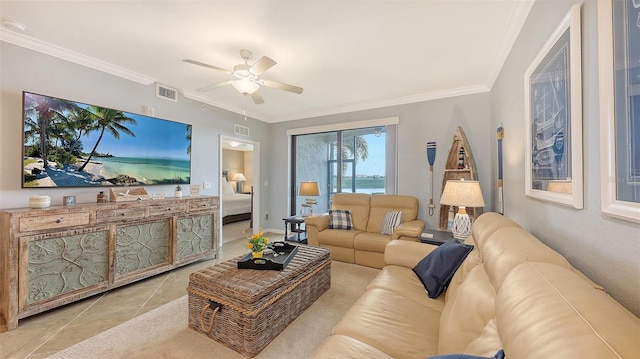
{"x":101,"y":198}
{"x":39,"y":201}
{"x":69,"y":200}
{"x":178,"y":192}
{"x":128,"y":194}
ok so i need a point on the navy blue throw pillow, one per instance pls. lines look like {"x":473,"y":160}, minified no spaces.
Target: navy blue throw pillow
{"x":499,"y":355}
{"x":437,"y":268}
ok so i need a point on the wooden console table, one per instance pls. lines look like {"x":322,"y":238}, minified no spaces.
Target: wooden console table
{"x":57,"y":255}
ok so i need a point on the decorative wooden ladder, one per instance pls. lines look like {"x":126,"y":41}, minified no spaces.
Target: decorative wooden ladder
{"x":459,"y":158}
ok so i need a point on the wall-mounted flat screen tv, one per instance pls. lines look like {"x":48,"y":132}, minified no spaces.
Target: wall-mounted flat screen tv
{"x":72,"y":144}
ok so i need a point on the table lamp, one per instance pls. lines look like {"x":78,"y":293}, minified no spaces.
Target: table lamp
{"x":239,"y":178}
{"x":309,"y":189}
{"x":462,"y":194}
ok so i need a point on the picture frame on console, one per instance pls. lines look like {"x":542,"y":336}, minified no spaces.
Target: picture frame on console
{"x":619,"y":78}
{"x":553,"y":117}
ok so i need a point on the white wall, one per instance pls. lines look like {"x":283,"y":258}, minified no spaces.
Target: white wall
{"x":419,"y":122}
{"x":605,"y":249}
{"x":26,"y":70}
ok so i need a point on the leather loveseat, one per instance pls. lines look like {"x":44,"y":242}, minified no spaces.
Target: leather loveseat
{"x":512,"y":292}
{"x":364,"y":244}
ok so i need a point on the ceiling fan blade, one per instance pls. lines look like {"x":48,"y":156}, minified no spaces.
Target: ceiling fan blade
{"x":194,"y":62}
{"x":262,"y":65}
{"x":213,"y":86}
{"x":281,"y":86}
{"x":257,"y":98}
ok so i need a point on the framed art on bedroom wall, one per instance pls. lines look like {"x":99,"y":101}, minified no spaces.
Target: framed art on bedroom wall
{"x":619,"y":58}
{"x":553,"y":117}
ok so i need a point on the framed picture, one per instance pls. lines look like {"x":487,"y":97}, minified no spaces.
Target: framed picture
{"x":619,"y":58}
{"x":553,"y":117}
{"x":69,"y":200}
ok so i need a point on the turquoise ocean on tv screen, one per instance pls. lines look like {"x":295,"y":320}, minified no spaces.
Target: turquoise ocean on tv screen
{"x":146,"y":170}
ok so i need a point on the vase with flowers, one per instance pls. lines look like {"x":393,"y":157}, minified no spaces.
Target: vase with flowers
{"x":258,"y":243}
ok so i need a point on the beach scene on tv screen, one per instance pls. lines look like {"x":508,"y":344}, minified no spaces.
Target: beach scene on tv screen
{"x":71,"y":144}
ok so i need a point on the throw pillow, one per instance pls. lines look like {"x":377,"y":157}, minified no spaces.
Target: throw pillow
{"x":499,"y":355}
{"x":437,"y":268}
{"x":340,"y":219}
{"x":391,"y":221}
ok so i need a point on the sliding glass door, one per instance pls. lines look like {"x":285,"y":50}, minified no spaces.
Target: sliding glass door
{"x":345,"y":161}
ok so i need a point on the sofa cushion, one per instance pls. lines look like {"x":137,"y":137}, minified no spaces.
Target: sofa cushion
{"x":467,"y":312}
{"x":342,"y":346}
{"x":359,"y":205}
{"x":487,"y":224}
{"x":402,"y":280}
{"x":510,"y":246}
{"x":499,"y":355}
{"x":390,"y":323}
{"x":340,"y":219}
{"x":437,"y":268}
{"x":472,"y":260}
{"x":337,"y":237}
{"x":546,"y":311}
{"x":373,"y":242}
{"x":392,"y":220}
{"x":488,"y":342}
{"x":383,"y":203}
{"x":405,"y":253}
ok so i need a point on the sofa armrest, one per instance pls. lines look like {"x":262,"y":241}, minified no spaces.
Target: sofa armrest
{"x":411,"y":229}
{"x":314,"y":225}
{"x":405,"y":253}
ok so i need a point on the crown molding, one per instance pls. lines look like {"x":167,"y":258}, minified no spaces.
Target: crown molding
{"x":470,"y":90}
{"x":516,"y":21}
{"x":72,"y":56}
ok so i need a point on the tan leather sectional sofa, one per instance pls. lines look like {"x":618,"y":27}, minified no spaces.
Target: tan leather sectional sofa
{"x":365,"y":244}
{"x":512,"y":292}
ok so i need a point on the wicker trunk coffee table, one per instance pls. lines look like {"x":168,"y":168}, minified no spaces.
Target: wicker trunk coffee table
{"x":245,"y":309}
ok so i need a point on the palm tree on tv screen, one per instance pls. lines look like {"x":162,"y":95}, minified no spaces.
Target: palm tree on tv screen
{"x":39,"y":113}
{"x":187,"y":136}
{"x":109,"y":120}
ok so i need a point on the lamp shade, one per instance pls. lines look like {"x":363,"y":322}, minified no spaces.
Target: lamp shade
{"x":309,"y":189}
{"x":462,"y":193}
{"x":239,"y":177}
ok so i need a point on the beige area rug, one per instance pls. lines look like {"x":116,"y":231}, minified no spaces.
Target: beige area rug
{"x":164,"y":332}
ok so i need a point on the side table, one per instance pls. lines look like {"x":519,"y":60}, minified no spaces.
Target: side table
{"x":435,"y":237}
{"x":294,"y":224}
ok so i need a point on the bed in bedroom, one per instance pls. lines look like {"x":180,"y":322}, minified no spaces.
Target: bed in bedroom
{"x":235,"y":206}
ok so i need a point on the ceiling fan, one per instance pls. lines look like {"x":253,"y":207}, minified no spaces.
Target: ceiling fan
{"x":247,"y":77}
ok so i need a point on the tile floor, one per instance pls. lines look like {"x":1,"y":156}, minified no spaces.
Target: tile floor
{"x":41,"y":335}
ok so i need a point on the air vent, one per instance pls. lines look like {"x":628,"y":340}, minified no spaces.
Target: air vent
{"x":240,"y":130}
{"x":166,"y":93}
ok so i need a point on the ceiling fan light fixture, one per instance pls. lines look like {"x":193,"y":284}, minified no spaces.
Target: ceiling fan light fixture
{"x":246,"y":86}
{"x":247,"y":77}
{"x":241,"y":71}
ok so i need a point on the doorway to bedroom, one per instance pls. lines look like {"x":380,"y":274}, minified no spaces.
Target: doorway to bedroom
{"x":239,"y":179}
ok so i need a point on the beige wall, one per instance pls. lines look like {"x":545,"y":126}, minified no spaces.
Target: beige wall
{"x":239,"y":161}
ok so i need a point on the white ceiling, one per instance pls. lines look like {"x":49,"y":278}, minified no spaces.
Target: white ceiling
{"x":346,"y":54}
